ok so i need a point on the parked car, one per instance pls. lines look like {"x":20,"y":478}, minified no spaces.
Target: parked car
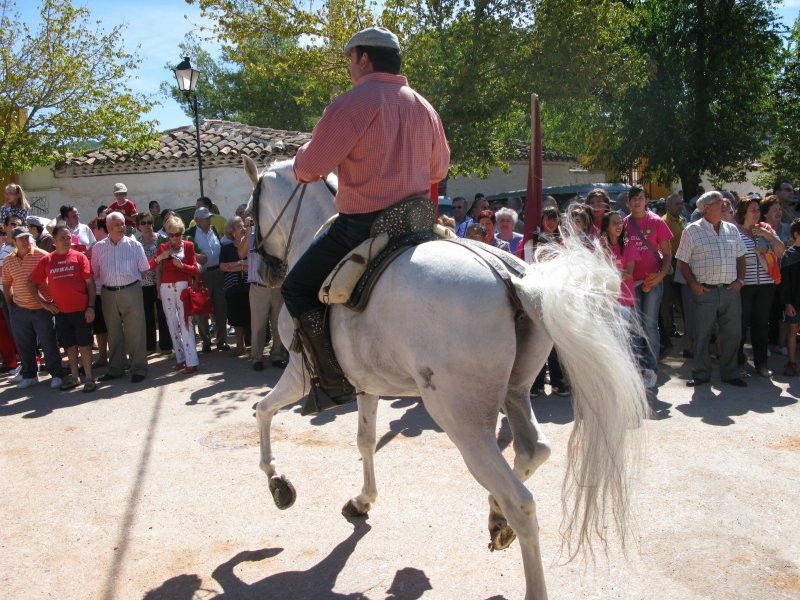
{"x":563,"y":193}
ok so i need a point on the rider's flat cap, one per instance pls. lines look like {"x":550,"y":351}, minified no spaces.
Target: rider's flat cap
{"x":372,"y":36}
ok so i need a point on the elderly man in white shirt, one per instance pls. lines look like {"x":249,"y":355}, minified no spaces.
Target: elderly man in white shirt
{"x":711,"y":256}
{"x":208,"y":246}
{"x":118,"y":263}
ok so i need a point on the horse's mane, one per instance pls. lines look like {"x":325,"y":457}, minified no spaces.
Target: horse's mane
{"x":284,"y":167}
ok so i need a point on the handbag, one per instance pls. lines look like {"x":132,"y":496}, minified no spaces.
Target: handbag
{"x":196,"y":300}
{"x":669,"y":270}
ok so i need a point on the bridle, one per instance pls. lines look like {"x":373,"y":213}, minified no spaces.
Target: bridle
{"x":279,"y":265}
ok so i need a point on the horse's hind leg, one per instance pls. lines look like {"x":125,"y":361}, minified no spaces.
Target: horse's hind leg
{"x":288,"y":389}
{"x":486,"y":463}
{"x":531,"y":450}
{"x":359,"y":506}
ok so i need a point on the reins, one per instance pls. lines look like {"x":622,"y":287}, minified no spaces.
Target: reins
{"x":278,"y":264}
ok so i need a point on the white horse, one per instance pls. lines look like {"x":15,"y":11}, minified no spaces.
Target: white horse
{"x":569,"y":299}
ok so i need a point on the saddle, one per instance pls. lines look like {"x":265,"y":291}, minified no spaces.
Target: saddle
{"x":399,"y":227}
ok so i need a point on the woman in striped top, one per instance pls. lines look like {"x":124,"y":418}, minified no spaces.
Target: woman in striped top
{"x":759,"y":288}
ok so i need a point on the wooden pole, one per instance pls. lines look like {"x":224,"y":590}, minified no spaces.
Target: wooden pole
{"x":534,"y":197}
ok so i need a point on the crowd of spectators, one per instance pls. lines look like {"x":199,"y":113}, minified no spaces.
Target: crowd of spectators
{"x":727,"y":267}
{"x":115,"y":286}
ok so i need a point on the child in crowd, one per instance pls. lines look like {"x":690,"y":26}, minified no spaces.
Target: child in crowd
{"x":612,"y":235}
{"x":789,"y":293}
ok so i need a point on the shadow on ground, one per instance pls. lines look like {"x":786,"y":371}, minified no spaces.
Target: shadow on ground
{"x":316,"y":583}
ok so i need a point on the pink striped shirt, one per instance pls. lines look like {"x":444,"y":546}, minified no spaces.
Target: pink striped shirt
{"x":387,"y":141}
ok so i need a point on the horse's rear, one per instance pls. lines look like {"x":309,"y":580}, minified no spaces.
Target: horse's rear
{"x":440,"y":324}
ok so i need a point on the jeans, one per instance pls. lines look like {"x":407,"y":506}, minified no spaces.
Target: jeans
{"x":756,"y":306}
{"x":556,"y":373}
{"x":302,"y":283}
{"x":28,"y":325}
{"x":648,"y":305}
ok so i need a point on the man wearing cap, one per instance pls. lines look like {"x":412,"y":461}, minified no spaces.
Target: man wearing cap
{"x":123,"y":205}
{"x":28,"y":318}
{"x":118,"y":263}
{"x":207,"y":245}
{"x":69,"y":281}
{"x":388,"y":145}
{"x":38,"y":229}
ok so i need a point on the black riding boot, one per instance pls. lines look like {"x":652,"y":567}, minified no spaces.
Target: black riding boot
{"x":329,"y":386}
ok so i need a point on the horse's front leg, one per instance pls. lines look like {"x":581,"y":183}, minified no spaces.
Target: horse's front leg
{"x":288,"y":389}
{"x":359,"y":506}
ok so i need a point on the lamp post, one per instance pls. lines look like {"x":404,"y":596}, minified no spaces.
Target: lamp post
{"x":187,"y":77}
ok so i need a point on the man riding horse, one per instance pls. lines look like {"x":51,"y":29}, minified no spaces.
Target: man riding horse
{"x":388,"y":144}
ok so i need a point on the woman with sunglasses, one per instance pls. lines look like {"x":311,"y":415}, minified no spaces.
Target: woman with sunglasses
{"x":16,"y":203}
{"x":178,"y":263}
{"x":153,"y":310}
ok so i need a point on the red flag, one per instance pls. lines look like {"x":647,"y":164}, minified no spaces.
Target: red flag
{"x":435,"y":197}
{"x":534,"y":197}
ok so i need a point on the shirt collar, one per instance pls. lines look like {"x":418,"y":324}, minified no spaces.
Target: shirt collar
{"x":381,"y":77}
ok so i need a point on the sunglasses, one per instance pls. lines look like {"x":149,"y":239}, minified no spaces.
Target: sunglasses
{"x":145,"y":222}
{"x":176,"y":235}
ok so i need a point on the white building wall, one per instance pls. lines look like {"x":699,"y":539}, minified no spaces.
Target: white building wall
{"x":554,"y":173}
{"x":226,"y":186}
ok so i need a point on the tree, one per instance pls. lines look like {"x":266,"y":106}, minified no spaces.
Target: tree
{"x":477,"y":62}
{"x":62,"y":85}
{"x":706,"y":106}
{"x":782,"y":161}
{"x":231,"y":91}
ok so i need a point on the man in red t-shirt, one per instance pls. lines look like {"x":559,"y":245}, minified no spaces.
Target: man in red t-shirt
{"x":69,"y":278}
{"x":123,"y":204}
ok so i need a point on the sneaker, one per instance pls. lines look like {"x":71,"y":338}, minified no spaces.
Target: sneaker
{"x":649,"y":378}
{"x":68,"y":383}
{"x":56,"y":382}
{"x":258,"y":365}
{"x":562,"y":390}
{"x":27,"y":382}
{"x":16,"y":375}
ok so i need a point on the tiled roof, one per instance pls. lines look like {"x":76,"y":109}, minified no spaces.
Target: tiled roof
{"x":222,"y":143}
{"x":521,"y":150}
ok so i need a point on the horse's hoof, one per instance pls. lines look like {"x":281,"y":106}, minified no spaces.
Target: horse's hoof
{"x":502,"y":536}
{"x":350,"y":511}
{"x":283,"y":492}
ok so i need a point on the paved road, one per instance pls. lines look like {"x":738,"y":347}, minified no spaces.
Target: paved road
{"x":155,"y":493}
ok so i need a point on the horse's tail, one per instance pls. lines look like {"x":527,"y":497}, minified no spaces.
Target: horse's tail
{"x":575,"y":292}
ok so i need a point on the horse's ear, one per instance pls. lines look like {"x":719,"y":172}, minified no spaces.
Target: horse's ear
{"x":250,"y":168}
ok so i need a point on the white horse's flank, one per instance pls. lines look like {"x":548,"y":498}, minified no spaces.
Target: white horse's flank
{"x":570,"y":298}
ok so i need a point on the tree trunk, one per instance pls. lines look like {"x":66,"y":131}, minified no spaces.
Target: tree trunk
{"x":690,"y":180}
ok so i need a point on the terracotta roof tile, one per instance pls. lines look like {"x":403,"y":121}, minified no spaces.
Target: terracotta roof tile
{"x":222,"y":143}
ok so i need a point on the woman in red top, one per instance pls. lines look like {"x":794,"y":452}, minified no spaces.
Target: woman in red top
{"x":177,"y":260}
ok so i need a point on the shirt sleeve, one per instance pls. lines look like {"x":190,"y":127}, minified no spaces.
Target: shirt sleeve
{"x":340,"y":127}
{"x":39,"y":273}
{"x":90,"y":236}
{"x":684,"y":252}
{"x":141,"y":257}
{"x":440,"y":154}
{"x":97,"y":269}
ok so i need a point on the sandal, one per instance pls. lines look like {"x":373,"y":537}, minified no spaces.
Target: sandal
{"x":89,"y":386}
{"x":68,"y":383}
{"x":179,"y":366}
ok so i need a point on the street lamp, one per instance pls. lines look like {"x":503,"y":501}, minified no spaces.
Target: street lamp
{"x":187,"y":77}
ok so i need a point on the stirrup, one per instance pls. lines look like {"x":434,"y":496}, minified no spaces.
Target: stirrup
{"x":318,"y":400}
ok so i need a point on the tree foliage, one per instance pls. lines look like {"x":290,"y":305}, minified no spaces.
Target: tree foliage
{"x":63,"y":84}
{"x":476,"y":62}
{"x":706,"y":105}
{"x":782,"y":161}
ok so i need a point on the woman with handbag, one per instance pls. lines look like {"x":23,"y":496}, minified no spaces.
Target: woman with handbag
{"x":764,"y":251}
{"x":177,"y":259}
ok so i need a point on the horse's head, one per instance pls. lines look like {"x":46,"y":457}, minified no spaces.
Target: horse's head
{"x":274,"y":212}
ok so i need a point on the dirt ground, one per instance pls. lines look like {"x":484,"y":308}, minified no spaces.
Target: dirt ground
{"x":152,"y":491}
